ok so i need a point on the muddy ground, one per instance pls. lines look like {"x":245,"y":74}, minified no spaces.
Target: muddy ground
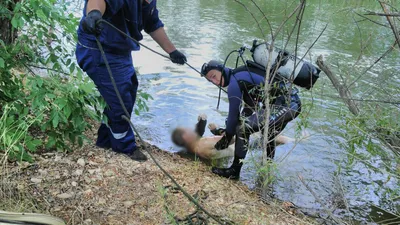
{"x":96,"y":186}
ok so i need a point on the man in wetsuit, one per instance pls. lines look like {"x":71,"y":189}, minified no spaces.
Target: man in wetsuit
{"x":245,"y":90}
{"x":130,"y":16}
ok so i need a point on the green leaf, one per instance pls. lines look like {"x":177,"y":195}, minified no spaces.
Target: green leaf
{"x":2,"y":65}
{"x":40,"y":14}
{"x":72,"y":68}
{"x":61,"y":102}
{"x":14,"y":22}
{"x":17,"y":7}
{"x":88,"y":88}
{"x":31,"y":146}
{"x":26,"y":157}
{"x":67,"y":111}
{"x":40,"y":35}
{"x":20,"y":22}
{"x":34,"y":4}
{"x":55,"y":120}
{"x":39,"y":82}
{"x":54,"y":58}
{"x":79,"y":75}
{"x":51,"y":142}
{"x":50,"y":95}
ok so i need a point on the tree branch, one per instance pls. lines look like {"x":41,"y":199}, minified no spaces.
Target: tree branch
{"x":376,"y":61}
{"x":391,"y":23}
{"x":344,"y":92}
{"x":46,"y":68}
{"x":370,"y":13}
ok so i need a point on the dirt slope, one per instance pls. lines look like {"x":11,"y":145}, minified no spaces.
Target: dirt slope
{"x":96,"y":186}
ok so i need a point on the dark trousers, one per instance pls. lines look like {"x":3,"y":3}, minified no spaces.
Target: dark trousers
{"x":116,"y":133}
{"x":281,"y":113}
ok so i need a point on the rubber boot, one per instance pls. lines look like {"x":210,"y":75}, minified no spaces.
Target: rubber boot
{"x":138,"y":155}
{"x":233,"y":172}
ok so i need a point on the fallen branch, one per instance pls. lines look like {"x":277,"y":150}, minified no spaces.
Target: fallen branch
{"x":344,"y":92}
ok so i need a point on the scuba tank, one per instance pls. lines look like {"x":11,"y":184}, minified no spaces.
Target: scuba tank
{"x":286,"y":65}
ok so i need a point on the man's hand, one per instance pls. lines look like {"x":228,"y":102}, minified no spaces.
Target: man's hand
{"x":202,"y":117}
{"x":215,"y":130}
{"x":223,"y":143}
{"x":177,"y":57}
{"x":212,"y":126}
{"x":90,"y":24}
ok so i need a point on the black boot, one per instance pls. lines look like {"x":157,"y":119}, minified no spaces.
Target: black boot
{"x":232,"y":172}
{"x":138,"y":155}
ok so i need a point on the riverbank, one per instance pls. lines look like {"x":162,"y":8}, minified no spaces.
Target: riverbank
{"x":96,"y":186}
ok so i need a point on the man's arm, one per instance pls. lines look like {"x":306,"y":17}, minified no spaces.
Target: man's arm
{"x":235,"y":100}
{"x":154,"y":26}
{"x":96,"y":4}
{"x":162,"y":39}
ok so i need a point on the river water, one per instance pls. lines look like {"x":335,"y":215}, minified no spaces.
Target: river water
{"x":205,"y":30}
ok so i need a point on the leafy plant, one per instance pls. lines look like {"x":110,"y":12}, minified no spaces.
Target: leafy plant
{"x":141,"y":105}
{"x":46,"y":102}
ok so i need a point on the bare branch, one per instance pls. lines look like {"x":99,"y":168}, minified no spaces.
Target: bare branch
{"x":46,"y":68}
{"x":373,"y":21}
{"x":373,"y":64}
{"x":344,"y":92}
{"x":370,"y":13}
{"x":365,"y":100}
{"x":264,"y":17}
{"x":391,"y":23}
{"x":255,"y":19}
{"x":287,"y":19}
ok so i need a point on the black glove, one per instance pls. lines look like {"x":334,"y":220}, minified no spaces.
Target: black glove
{"x":177,"y":57}
{"x":201,"y":124}
{"x":218,"y":131}
{"x":223,"y":143}
{"x":90,"y":24}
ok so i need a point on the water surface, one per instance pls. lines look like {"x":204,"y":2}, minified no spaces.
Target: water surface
{"x":205,"y":30}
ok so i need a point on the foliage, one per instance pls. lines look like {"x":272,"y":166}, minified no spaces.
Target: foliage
{"x":49,"y":107}
{"x":141,"y":105}
{"x":14,"y":133}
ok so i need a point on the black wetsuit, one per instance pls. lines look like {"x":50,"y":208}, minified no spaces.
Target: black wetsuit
{"x":246,"y":87}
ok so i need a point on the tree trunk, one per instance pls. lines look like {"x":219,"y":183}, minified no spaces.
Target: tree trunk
{"x":7,"y":33}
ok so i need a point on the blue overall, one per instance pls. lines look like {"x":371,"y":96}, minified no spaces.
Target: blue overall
{"x":130,"y":16}
{"x":244,"y":92}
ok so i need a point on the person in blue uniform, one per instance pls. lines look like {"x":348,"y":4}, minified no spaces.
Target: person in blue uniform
{"x":246,"y":110}
{"x":130,"y":16}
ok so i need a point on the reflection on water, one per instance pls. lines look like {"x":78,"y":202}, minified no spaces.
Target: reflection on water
{"x":206,"y":30}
